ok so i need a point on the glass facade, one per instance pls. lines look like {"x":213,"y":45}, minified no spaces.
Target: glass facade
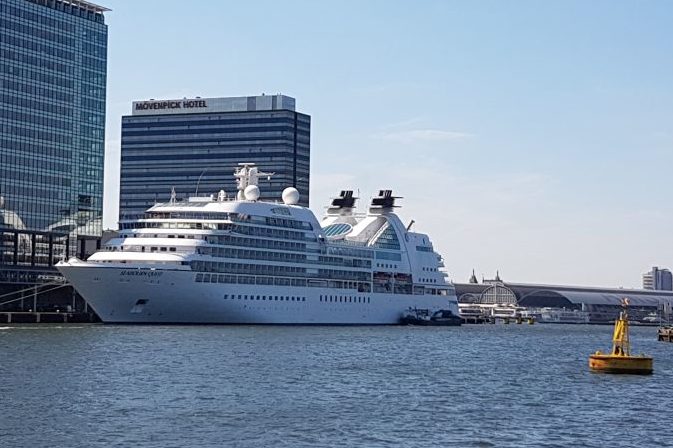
{"x":53,"y":59}
{"x":196,"y":153}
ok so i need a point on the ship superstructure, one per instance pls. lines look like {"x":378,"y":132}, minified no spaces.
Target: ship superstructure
{"x":215,"y":260}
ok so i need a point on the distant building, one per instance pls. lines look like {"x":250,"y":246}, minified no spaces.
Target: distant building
{"x":658,"y":279}
{"x":602,"y":304}
{"x":53,"y":65}
{"x":193,"y":145}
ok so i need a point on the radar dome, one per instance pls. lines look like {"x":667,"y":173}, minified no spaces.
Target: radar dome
{"x":290,"y":196}
{"x":251,"y":192}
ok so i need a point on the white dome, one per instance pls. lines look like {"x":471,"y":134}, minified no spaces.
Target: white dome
{"x":290,"y":196}
{"x":251,"y":192}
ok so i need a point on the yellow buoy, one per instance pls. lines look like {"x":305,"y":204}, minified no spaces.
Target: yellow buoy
{"x":621,"y":360}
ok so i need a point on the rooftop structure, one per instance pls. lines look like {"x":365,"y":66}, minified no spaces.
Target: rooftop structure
{"x":77,"y":7}
{"x":200,"y":105}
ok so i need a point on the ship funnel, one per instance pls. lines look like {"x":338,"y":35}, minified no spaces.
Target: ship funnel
{"x":342,"y":204}
{"x":384,"y":202}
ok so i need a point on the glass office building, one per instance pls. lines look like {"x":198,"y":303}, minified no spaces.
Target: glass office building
{"x":53,"y":57}
{"x":193,"y":146}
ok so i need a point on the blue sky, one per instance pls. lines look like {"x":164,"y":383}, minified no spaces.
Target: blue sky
{"x":534,"y":138}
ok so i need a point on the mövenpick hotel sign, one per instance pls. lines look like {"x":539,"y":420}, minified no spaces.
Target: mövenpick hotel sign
{"x":202,"y":105}
{"x":161,"y":105}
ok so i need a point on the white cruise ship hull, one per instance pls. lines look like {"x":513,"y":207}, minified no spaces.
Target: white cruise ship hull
{"x":133,"y":295}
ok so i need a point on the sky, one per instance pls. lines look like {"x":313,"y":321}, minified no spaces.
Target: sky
{"x":525,"y":137}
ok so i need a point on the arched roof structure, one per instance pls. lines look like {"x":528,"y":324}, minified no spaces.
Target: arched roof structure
{"x":530,"y":295}
{"x":498,"y":294}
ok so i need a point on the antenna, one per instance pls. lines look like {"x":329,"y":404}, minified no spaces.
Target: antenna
{"x":196,"y":193}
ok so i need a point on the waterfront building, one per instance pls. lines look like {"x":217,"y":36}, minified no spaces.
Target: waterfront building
{"x":596,"y":304}
{"x":53,"y":62}
{"x":193,"y":145}
{"x":658,"y":279}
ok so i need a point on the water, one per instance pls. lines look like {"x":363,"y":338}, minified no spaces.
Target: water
{"x":250,"y":386}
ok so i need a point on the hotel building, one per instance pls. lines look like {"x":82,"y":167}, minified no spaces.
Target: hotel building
{"x":193,"y":145}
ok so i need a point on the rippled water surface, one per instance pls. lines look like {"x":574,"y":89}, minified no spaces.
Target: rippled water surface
{"x":250,"y":386}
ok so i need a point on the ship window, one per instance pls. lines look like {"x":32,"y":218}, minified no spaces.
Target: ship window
{"x":226,"y":296}
{"x":172,"y":249}
{"x":337,"y":229}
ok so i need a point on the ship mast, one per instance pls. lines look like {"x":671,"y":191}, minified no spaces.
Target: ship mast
{"x":248,"y":174}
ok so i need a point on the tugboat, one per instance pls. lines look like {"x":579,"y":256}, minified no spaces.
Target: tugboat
{"x":621,"y":360}
{"x":446,"y":318}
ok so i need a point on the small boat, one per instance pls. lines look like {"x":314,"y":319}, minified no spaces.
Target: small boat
{"x":665,"y":334}
{"x":621,"y":360}
{"x":563,"y":316}
{"x":445,"y":318}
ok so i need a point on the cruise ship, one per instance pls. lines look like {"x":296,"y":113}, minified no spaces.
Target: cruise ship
{"x":216,"y":260}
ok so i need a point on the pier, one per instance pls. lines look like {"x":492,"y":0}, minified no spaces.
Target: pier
{"x":28,"y":317}
{"x":52,"y":302}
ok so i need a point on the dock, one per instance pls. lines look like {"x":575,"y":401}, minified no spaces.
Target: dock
{"x":665,"y":334}
{"x":28,"y":317}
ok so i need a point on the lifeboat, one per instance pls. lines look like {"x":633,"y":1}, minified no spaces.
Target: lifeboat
{"x":621,"y":360}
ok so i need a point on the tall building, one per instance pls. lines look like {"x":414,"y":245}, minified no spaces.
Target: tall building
{"x":658,"y":279}
{"x":193,"y":146}
{"x":53,"y":58}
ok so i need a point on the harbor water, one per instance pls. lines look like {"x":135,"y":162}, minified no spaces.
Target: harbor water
{"x":257,"y":386}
